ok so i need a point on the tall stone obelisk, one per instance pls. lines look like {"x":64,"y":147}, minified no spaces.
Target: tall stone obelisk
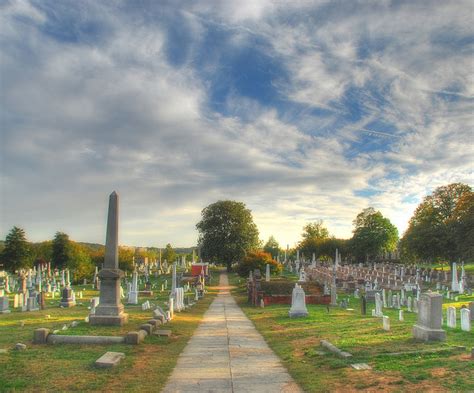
{"x":110,"y":308}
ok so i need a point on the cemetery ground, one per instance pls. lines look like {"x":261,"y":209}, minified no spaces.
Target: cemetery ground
{"x":69,"y":367}
{"x":398,"y":362}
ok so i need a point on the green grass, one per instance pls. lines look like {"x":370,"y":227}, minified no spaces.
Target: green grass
{"x":70,"y":367}
{"x":296,"y":341}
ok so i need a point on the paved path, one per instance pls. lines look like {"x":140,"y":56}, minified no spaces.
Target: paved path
{"x":227,"y":354}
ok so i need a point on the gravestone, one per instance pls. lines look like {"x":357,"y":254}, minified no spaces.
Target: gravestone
{"x":378,"y":305}
{"x":363,"y":305}
{"x":430,"y":313}
{"x":67,"y":299}
{"x":400,"y":315}
{"x":386,"y":323}
{"x":298,"y":303}
{"x":471,"y":308}
{"x":465,"y":319}
{"x":267,"y":272}
{"x":4,"y":305}
{"x":110,"y":309}
{"x":451,"y":317}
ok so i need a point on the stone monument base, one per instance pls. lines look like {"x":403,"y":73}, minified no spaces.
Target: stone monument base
{"x":422,"y":333}
{"x":67,"y":303}
{"x":296,"y":314}
{"x":109,"y":320}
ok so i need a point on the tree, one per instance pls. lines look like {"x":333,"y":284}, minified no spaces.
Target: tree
{"x":126,"y":257}
{"x":79,"y":262}
{"x":42,"y":251}
{"x":272,"y":247}
{"x":61,"y":250}
{"x":227,"y":232}
{"x":169,"y":254}
{"x":315,"y":230}
{"x":258,"y":260}
{"x":314,"y":234}
{"x":440,"y":223}
{"x":17,"y":252}
{"x":373,"y":234}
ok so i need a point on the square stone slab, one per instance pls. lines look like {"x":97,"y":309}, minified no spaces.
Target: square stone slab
{"x":109,"y":359}
{"x":361,"y":366}
{"x":166,"y":333}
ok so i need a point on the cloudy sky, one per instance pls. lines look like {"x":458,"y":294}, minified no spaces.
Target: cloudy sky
{"x":303,"y":111}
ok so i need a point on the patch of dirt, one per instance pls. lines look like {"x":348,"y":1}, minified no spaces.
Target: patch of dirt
{"x":371,"y":381}
{"x":301,"y":346}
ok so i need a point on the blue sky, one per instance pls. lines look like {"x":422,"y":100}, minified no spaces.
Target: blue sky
{"x":304,"y":111}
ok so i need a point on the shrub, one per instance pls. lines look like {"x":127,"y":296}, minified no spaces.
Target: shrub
{"x":258,"y":260}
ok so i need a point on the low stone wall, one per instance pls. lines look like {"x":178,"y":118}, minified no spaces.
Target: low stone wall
{"x":286,"y":299}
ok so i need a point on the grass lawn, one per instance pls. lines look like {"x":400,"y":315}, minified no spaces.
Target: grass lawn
{"x":69,"y":367}
{"x":296,"y":342}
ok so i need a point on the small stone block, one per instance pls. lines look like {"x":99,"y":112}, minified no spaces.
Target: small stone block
{"x":134,"y":338}
{"x":159,"y":317}
{"x":361,"y":366}
{"x":147,"y":328}
{"x":40,"y":336}
{"x":153,"y":322}
{"x":109,"y":359}
{"x":166,"y":333}
{"x":20,"y":347}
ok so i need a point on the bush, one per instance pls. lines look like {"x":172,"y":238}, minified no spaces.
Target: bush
{"x":258,"y":260}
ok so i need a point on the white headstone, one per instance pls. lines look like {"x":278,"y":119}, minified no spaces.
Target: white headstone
{"x":465,"y":319}
{"x":386,"y":323}
{"x":298,"y":303}
{"x":451,"y":317}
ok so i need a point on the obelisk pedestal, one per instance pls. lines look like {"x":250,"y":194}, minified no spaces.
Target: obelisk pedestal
{"x":110,"y":308}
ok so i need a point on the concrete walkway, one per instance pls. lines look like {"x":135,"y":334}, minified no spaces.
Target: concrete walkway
{"x":227,"y":354}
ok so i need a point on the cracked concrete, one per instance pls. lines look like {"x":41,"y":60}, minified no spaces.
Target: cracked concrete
{"x":227,"y":354}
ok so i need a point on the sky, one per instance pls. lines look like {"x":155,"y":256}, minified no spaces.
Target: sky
{"x":303,"y":110}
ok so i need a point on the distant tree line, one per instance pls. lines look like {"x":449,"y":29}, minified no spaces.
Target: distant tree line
{"x":18,"y":253}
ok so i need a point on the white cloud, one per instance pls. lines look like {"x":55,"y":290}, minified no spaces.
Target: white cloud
{"x":84,"y":118}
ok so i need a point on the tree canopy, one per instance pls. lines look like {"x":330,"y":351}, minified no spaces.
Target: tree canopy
{"x":315,"y":230}
{"x":272,"y":247}
{"x":168,"y":254}
{"x":442,"y":226}
{"x":61,"y":250}
{"x":227,"y":232}
{"x":17,"y":251}
{"x":373,"y":234}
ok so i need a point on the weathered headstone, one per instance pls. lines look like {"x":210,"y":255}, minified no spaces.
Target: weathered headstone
{"x":298,"y":303}
{"x":110,"y":309}
{"x":67,"y":299}
{"x":386,"y":323}
{"x":430,"y":313}
{"x":4,"y":305}
{"x":465,"y":319}
{"x":378,"y":305}
{"x":451,"y":317}
{"x":363,"y":305}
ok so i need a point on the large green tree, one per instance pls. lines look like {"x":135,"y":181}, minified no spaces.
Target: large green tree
{"x":272,"y":247}
{"x":227,"y":232}
{"x":61,"y":250}
{"x":17,"y":252}
{"x":168,"y":254}
{"x":440,"y":223}
{"x":373,"y":234}
{"x":313,"y":236}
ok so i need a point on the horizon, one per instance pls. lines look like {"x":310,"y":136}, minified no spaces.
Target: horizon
{"x":303,"y":112}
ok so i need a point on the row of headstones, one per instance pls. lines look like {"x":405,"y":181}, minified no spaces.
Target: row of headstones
{"x":466,"y":316}
{"x":34,"y":301}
